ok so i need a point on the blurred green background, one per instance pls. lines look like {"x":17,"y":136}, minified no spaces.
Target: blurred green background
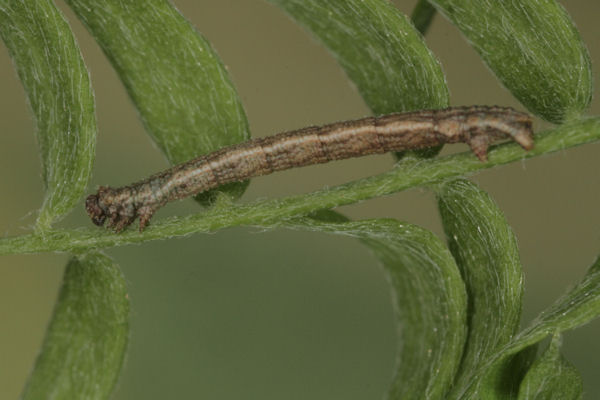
{"x":282,"y":314}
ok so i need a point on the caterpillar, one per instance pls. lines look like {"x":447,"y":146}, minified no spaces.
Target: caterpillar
{"x":478,"y":126}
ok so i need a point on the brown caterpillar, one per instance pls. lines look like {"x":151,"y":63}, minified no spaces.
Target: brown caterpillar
{"x":477,"y":126}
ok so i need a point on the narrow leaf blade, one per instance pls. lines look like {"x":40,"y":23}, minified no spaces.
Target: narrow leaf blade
{"x":380,"y":50}
{"x":551,"y":377}
{"x":429,"y":298}
{"x":175,"y":79}
{"x":534,"y":49}
{"x":57,"y":85}
{"x":577,"y":307}
{"x":486,"y":252}
{"x":422,"y":16}
{"x":85,"y":344}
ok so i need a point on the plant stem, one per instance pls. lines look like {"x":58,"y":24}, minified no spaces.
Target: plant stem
{"x":406,"y":174}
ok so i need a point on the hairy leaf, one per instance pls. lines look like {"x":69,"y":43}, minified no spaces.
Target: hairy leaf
{"x":57,"y":85}
{"x":175,"y":79}
{"x":381,"y":52}
{"x":429,"y":299}
{"x":551,"y":377}
{"x":422,"y":15}
{"x":577,"y":307}
{"x":486,"y":252}
{"x":534,"y":49}
{"x":86,"y":341}
{"x":379,"y":49}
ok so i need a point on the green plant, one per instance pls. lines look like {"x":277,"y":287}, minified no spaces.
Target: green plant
{"x":445,"y":298}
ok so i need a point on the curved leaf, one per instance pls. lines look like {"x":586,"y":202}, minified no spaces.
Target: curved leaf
{"x":429,"y":298}
{"x":57,"y":85}
{"x":379,"y":49}
{"x":534,"y":49}
{"x":175,"y":79}
{"x":551,"y":377}
{"x":577,"y":307}
{"x":86,"y":341}
{"x":486,"y":252}
{"x":422,"y":16}
{"x":381,"y":52}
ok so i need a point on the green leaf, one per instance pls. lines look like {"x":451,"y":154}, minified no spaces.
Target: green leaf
{"x":57,"y":85}
{"x":379,"y":49}
{"x":422,"y":16}
{"x":408,"y":173}
{"x":175,"y":79}
{"x":85,"y":344}
{"x":534,"y":49}
{"x":577,"y":307}
{"x":551,"y":377}
{"x":429,"y":298}
{"x":486,"y":252}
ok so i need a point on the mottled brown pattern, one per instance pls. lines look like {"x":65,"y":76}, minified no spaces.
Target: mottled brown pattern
{"x":477,"y":126}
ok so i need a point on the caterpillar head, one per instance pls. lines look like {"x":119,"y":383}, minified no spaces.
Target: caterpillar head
{"x":94,"y":210}
{"x":116,"y":205}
